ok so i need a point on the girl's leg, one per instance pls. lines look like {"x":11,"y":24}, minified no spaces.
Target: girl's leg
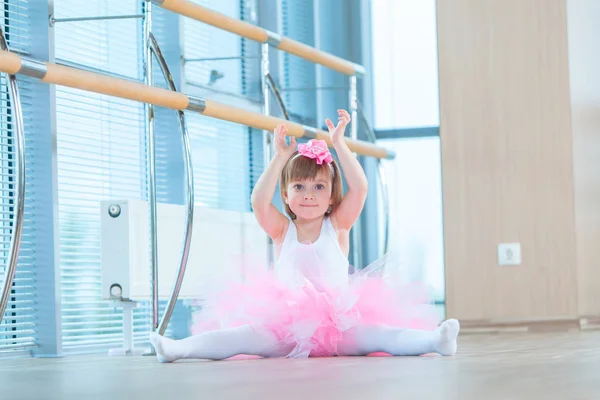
{"x":219,"y":344}
{"x":364,"y":340}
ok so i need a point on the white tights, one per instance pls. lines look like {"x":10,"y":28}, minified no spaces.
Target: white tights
{"x":359,"y":341}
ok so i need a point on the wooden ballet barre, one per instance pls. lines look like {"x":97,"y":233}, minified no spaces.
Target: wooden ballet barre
{"x":13,"y":63}
{"x":261,"y":35}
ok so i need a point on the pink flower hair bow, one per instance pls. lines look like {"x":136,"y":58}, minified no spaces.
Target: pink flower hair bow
{"x":316,"y":149}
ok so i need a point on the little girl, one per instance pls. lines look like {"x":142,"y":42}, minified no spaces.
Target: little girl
{"x":309,"y":305}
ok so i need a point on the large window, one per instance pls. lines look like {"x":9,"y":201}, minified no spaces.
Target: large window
{"x":212,"y":57}
{"x":406,"y":119}
{"x":405,"y":63}
{"x":94,"y":147}
{"x":100,"y":156}
{"x":218,"y":63}
{"x":102,"y":151}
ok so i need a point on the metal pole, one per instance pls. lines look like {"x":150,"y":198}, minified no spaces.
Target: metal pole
{"x":386,"y":206}
{"x":267,"y":144}
{"x":99,"y":18}
{"x":150,"y":139}
{"x":17,"y":217}
{"x":312,"y":89}
{"x":203,"y":59}
{"x":356,"y":229}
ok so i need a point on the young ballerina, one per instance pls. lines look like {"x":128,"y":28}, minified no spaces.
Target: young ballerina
{"x":310,"y":305}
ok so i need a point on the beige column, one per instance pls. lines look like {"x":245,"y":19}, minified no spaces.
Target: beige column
{"x":507,"y":159}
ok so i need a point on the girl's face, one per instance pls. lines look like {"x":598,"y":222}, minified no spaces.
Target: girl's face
{"x":309,"y":198}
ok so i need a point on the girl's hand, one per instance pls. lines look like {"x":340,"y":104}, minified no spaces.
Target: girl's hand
{"x":337,"y":132}
{"x":281,"y":148}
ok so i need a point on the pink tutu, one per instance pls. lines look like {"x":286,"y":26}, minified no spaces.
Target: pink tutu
{"x":313,"y":316}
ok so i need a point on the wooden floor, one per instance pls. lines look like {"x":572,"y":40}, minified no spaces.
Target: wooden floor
{"x":501,"y":366}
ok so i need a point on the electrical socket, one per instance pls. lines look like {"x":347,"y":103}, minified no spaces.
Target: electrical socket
{"x":509,"y":254}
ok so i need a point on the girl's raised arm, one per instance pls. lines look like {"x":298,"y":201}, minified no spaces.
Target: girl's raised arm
{"x":351,"y":206}
{"x":268,"y":217}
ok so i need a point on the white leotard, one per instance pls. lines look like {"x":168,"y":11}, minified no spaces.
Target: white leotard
{"x":324,"y":258}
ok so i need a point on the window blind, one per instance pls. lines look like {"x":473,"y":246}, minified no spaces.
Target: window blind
{"x":221,"y":155}
{"x":299,"y":75}
{"x":18,"y":328}
{"x":221,"y":150}
{"x":202,"y":42}
{"x":101,"y":155}
{"x":168,"y":145}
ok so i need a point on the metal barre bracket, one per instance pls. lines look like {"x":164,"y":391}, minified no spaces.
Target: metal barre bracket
{"x":197,"y":104}
{"x":33,"y":68}
{"x":273,"y":39}
{"x":310,"y":132}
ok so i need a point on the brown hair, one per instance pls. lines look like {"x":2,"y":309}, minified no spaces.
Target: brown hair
{"x":300,"y":168}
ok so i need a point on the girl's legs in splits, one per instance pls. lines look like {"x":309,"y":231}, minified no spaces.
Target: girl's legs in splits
{"x":361,"y":341}
{"x":219,"y":344}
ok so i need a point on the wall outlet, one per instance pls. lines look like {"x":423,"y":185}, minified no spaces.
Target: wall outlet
{"x":509,"y":254}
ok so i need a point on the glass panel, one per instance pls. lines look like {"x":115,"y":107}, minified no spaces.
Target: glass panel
{"x":416,"y":228}
{"x":405,"y":73}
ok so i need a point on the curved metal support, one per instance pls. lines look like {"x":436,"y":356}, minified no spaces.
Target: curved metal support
{"x":273,"y":86}
{"x":17,"y":220}
{"x":382,"y":179}
{"x":187,"y":155}
{"x":151,"y":164}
